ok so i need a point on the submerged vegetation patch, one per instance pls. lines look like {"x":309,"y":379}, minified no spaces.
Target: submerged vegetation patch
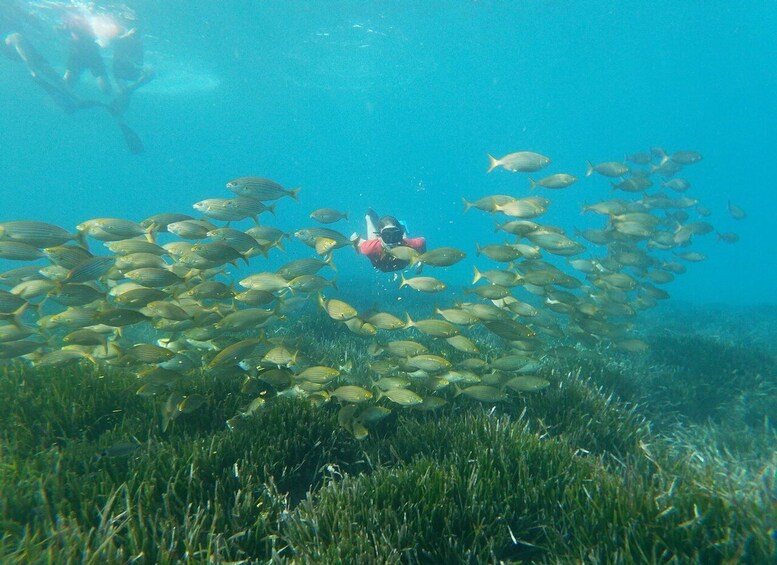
{"x":574,"y":472}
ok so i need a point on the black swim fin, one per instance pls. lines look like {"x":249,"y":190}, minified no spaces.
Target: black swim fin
{"x":134,"y":144}
{"x":58,"y":93}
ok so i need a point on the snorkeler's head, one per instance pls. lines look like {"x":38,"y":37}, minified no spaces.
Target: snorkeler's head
{"x":391,"y":231}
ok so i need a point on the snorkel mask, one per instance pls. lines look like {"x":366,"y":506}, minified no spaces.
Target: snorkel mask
{"x":392,"y":235}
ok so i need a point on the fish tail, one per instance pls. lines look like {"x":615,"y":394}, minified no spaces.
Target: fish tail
{"x":493,"y":163}
{"x":467,"y":205}
{"x":532,"y":184}
{"x":80,"y":238}
{"x":589,"y":168}
{"x":293,"y":193}
{"x":478,"y":275}
{"x":16,"y":317}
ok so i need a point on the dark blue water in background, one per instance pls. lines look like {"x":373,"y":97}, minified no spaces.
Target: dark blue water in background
{"x":395,"y":105}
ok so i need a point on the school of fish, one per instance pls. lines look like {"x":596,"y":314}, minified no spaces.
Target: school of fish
{"x":153,"y":297}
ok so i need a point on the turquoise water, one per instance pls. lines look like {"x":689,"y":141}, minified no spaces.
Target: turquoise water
{"x":395,"y":105}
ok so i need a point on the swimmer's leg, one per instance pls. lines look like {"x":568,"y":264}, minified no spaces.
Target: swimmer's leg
{"x":103,"y":83}
{"x":372,"y":221}
{"x":121,"y":102}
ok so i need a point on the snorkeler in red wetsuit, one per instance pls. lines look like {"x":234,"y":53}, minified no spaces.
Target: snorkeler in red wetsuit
{"x":383,"y":235}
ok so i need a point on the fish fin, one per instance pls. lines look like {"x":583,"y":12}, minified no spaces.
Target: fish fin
{"x":492,"y":163}
{"x":17,"y":316}
{"x":80,"y":238}
{"x":261,"y":250}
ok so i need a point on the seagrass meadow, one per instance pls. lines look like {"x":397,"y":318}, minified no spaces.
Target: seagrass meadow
{"x":661,"y":457}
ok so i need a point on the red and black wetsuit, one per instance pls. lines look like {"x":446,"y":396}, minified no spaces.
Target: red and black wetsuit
{"x":374,"y":250}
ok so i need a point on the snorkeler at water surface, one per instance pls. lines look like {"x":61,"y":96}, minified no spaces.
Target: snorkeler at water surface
{"x":128,"y":70}
{"x":384,"y":234}
{"x":87,"y":35}
{"x":84,"y":54}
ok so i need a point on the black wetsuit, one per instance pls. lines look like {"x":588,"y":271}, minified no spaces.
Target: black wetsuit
{"x":128,"y":57}
{"x":84,"y":54}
